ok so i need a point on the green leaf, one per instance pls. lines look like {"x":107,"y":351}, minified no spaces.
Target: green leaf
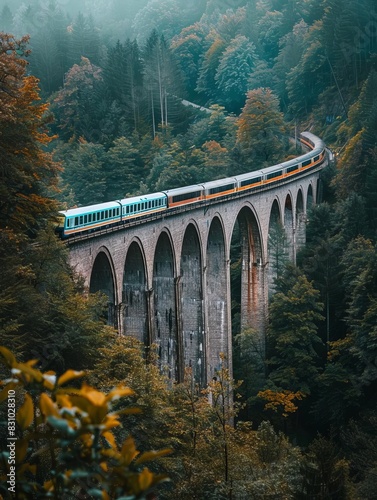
{"x":60,"y":425}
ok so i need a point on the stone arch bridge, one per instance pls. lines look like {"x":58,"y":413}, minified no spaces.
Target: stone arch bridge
{"x":167,"y":276}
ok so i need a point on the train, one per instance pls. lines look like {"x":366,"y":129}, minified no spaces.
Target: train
{"x":82,"y":220}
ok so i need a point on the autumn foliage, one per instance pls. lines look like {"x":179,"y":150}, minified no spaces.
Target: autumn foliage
{"x":66,"y":442}
{"x":27,"y":170}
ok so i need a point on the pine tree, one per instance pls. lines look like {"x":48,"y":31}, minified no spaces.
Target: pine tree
{"x":294,"y":346}
{"x":124,"y":170}
{"x":232,"y":74}
{"x":261,"y":129}
{"x":75,"y":105}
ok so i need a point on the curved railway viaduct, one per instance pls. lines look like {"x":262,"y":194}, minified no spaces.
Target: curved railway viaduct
{"x":167,"y":276}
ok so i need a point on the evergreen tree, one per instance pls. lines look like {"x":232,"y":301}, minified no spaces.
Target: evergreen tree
{"x":83,"y":40}
{"x":49,"y":59}
{"x":261,"y":129}
{"x":188,"y":49}
{"x":84,"y":174}
{"x":206,"y":84}
{"x":75,"y":105}
{"x":295,"y":348}
{"x":124,"y":170}
{"x":269,"y":33}
{"x":163,"y":83}
{"x":233,"y":72}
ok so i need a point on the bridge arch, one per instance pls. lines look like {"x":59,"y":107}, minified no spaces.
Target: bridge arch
{"x":164,"y":306}
{"x":103,"y":279}
{"x":252,"y":265}
{"x":191,"y":302}
{"x":248,"y":284}
{"x":276,"y":244}
{"x":309,"y":198}
{"x":216,"y":275}
{"x":289,"y":223}
{"x":300,"y":231}
{"x":134,"y":309}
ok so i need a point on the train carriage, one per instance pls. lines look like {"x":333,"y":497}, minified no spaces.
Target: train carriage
{"x":184,"y":195}
{"x":77,"y":220}
{"x":141,"y":205}
{"x":221,"y":187}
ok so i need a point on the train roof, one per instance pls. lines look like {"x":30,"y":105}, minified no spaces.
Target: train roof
{"x":219,"y":182}
{"x":248,"y":175}
{"x":317,"y":141}
{"x":72,"y":212}
{"x":90,"y":208}
{"x":183,"y":190}
{"x":143,"y":197}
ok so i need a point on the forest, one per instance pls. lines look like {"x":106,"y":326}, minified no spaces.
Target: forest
{"x":103,"y":100}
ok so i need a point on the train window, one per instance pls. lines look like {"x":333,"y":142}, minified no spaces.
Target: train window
{"x":67,"y":221}
{"x":142,"y":206}
{"x":272,"y":175}
{"x":306,"y":163}
{"x":292,"y":169}
{"x":85,"y":219}
{"x":102,"y":215}
{"x":81,"y":219}
{"x":90,"y":218}
{"x":186,"y":196}
{"x":149,"y":204}
{"x":118,"y":211}
{"x":248,"y":182}
{"x":138,"y":207}
{"x":127,"y":209}
{"x":221,"y":189}
{"x":76,"y":221}
{"x":106,"y":214}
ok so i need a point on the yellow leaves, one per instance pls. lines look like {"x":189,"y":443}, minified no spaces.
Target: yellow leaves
{"x":95,"y":397}
{"x":119,"y":392}
{"x":73,"y":416}
{"x":128,"y":451}
{"x":69,"y":375}
{"x":283,"y":399}
{"x":25,"y":414}
{"x":145,"y":479}
{"x":47,"y":406}
{"x":96,"y":405}
{"x":337,"y":347}
{"x":109,"y":436}
{"x":9,"y":359}
{"x":152,"y":455}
